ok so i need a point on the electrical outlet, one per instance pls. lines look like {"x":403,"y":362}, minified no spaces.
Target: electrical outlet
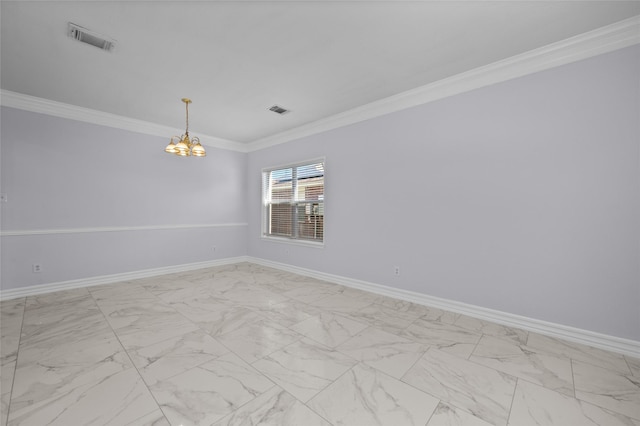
{"x":396,"y":271}
{"x":37,"y":268}
{"x":214,"y":248}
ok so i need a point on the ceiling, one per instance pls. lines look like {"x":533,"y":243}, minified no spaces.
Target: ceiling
{"x":236,"y":59}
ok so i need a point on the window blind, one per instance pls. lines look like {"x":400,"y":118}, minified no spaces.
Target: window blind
{"x":293,"y":202}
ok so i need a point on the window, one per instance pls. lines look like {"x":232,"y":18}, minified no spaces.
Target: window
{"x":293,"y":202}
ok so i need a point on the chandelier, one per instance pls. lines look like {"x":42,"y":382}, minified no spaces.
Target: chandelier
{"x":183,"y":145}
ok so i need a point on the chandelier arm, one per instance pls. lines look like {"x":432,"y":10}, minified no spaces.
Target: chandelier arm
{"x":186,"y":146}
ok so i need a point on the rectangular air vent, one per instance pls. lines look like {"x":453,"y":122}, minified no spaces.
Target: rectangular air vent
{"x":86,"y":36}
{"x":278,"y":110}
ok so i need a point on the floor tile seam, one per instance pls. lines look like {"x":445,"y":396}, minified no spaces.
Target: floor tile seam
{"x":349,"y":312}
{"x":433,"y":412}
{"x":384,"y":372}
{"x":347,"y":316}
{"x":414,"y":363}
{"x":447,"y":401}
{"x":228,"y":348}
{"x":513,"y":398}
{"x":140,"y":376}
{"x":467,"y":411}
{"x":214,"y":357}
{"x":414,"y":321}
{"x":582,"y":402}
{"x":318,"y":316}
{"x":475,"y":346}
{"x":133,"y":422}
{"x":314,"y":411}
{"x":573,"y":379}
{"x":490,"y":323}
{"x":282,"y":387}
{"x":143,"y":323}
{"x":421,"y":391}
{"x":524,"y":379}
{"x":133,"y":365}
{"x":375,"y":328}
{"x":299,"y":337}
{"x":315,"y":395}
{"x":239,"y":407}
{"x":609,"y":370}
{"x":524,"y":348}
{"x":85,"y":387}
{"x":163,"y":302}
{"x":597,"y":404}
{"x":34,"y":297}
{"x":152,"y":395}
{"x":323,"y":346}
{"x":473,"y":361}
{"x":306,"y":404}
{"x":50,"y":331}
{"x":63,"y":312}
{"x":396,"y":311}
{"x":519,"y":377}
{"x":324,"y":296}
{"x":266,"y":319}
{"x":554,"y":354}
{"x":187,"y":319}
{"x":335,"y":349}
{"x":626,"y":360}
{"x":13,"y":378}
{"x":431,"y":345}
{"x":133,"y":302}
{"x":574,"y":347}
{"x":261,"y":312}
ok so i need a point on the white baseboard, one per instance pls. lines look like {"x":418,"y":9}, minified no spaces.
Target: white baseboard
{"x":590,"y":338}
{"x":15,"y":293}
{"x":585,"y":337}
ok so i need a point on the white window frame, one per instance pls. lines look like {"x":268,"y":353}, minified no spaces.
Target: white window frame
{"x":265,"y":202}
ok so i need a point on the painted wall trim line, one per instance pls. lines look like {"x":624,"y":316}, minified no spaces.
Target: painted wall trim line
{"x":19,"y":233}
{"x":602,"y":40}
{"x":599,"y":41}
{"x":33,"y":290}
{"x":72,"y":112}
{"x":585,"y":337}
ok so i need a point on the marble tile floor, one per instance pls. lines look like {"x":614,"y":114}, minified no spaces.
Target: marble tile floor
{"x":247,"y":345}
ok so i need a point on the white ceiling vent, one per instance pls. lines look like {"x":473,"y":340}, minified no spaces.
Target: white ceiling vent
{"x":94,"y":39}
{"x":279,"y":110}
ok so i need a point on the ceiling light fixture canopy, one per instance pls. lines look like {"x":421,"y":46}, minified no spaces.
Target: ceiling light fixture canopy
{"x":184,"y":146}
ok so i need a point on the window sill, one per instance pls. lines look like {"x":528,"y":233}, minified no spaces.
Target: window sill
{"x":295,"y":242}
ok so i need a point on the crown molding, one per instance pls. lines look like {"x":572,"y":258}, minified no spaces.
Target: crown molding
{"x":602,"y":40}
{"x":72,"y":112}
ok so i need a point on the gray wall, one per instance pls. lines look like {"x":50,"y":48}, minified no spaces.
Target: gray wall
{"x":65,"y":174}
{"x":522,"y":197}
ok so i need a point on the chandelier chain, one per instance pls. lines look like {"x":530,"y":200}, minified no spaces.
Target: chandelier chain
{"x":187,"y":106}
{"x":184,"y":146}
